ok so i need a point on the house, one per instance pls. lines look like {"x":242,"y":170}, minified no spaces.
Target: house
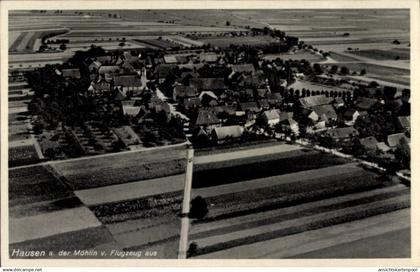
{"x":316,"y":100}
{"x":99,"y":87}
{"x":263,"y":103}
{"x":242,"y":69}
{"x":183,"y":92}
{"x":129,"y":108}
{"x":191,"y":103}
{"x":71,"y":73}
{"x":209,"y":57}
{"x":383,"y":147}
{"x":325,"y":112}
{"x":404,"y":123}
{"x":127,"y":83}
{"x":94,"y":66}
{"x":163,"y":70}
{"x":291,"y":125}
{"x":249,"y":106}
{"x":394,"y":139}
{"x":227,"y":133}
{"x":342,"y":134}
{"x":271,"y":117}
{"x":369,"y":143}
{"x":365,"y":103}
{"x":207,"y":120}
{"x":208,"y":84}
{"x":127,"y":135}
{"x":109,"y":69}
{"x":350,"y":116}
{"x":274,"y":99}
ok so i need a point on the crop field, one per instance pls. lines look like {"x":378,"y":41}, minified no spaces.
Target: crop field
{"x":121,"y":168}
{"x":34,"y":184}
{"x":383,"y":55}
{"x":218,"y":173}
{"x":23,"y":154}
{"x":27,"y":41}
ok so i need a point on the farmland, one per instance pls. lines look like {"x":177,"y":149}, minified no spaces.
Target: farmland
{"x":310,"y":191}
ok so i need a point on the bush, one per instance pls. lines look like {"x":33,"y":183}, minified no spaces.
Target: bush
{"x":198,"y":208}
{"x":192,"y":250}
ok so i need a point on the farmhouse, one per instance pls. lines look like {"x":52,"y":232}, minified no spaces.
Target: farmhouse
{"x":183,"y":92}
{"x":342,"y":134}
{"x":228,"y":133}
{"x":350,"y":116}
{"x":71,"y":73}
{"x":316,"y":100}
{"x":249,"y":107}
{"x":271,"y":117}
{"x":369,"y":143}
{"x":394,"y":139}
{"x":208,"y":84}
{"x":404,"y":123}
{"x":207,"y":120}
{"x":365,"y":103}
{"x":127,"y":83}
{"x":325,"y":112}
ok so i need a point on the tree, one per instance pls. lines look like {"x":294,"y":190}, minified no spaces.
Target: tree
{"x":227,"y":23}
{"x":192,"y":249}
{"x":333,"y":69}
{"x":344,"y":70}
{"x":198,"y":208}
{"x":363,"y":72}
{"x":63,"y":47}
{"x":403,"y":154}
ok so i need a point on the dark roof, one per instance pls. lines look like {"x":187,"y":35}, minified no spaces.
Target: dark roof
{"x":243,"y":68}
{"x":365,"y":103}
{"x":274,"y":98}
{"x":191,"y":102}
{"x":249,"y":106}
{"x":348,"y":115}
{"x":285,"y":115}
{"x":264,"y":103}
{"x":206,"y":117}
{"x":326,"y":112}
{"x":127,"y":81}
{"x":208,"y":83}
{"x":315,"y":100}
{"x":162,"y":70}
{"x":181,"y":91}
{"x":73,"y":73}
{"x":404,"y":122}
{"x":342,"y":133}
{"x":369,"y":142}
{"x":225,"y":108}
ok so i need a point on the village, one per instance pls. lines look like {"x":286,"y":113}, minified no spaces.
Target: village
{"x":272,"y":133}
{"x":108,"y":101}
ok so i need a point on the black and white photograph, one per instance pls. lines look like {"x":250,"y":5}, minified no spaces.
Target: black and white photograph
{"x":209,"y":133}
